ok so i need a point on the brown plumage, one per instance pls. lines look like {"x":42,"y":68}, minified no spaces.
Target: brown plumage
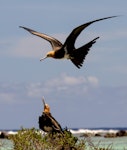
{"x":68,"y":50}
{"x":47,"y":122}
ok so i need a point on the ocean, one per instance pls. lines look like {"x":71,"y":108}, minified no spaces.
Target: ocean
{"x":93,"y":136}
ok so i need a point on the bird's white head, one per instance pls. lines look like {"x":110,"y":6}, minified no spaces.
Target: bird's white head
{"x":46,"y":106}
{"x":49,"y":54}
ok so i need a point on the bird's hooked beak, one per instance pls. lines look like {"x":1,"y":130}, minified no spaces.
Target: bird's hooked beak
{"x":43,"y":101}
{"x":43,"y":58}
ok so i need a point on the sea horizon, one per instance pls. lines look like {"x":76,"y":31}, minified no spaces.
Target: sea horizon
{"x":74,"y":128}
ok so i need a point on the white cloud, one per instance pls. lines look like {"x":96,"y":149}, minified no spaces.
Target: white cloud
{"x":67,"y":80}
{"x":63,"y":83}
{"x":7,"y":97}
{"x":93,"y":81}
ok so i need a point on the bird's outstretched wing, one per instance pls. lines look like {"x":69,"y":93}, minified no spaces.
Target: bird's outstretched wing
{"x":80,"y":53}
{"x":54,"y":42}
{"x":70,"y":41}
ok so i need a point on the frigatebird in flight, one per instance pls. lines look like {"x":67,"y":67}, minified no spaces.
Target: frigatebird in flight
{"x":68,"y":50}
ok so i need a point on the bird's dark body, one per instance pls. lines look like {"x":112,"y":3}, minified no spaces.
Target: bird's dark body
{"x":48,"y":123}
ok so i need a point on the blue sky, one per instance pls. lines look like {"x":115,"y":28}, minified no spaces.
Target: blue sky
{"x":93,"y":96}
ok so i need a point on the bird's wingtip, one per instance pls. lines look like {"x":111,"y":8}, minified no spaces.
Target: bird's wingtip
{"x":117,"y":15}
{"x":20,"y":26}
{"x":113,"y":16}
{"x":97,"y":38}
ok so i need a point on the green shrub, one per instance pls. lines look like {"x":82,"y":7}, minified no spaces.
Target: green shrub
{"x":32,"y":139}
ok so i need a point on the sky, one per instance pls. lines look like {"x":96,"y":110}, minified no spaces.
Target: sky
{"x":93,"y":96}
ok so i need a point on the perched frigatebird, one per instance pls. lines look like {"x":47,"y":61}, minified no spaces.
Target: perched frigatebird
{"x":47,"y":122}
{"x":68,"y":50}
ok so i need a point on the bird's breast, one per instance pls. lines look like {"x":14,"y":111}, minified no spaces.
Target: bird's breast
{"x":59,"y":54}
{"x":62,"y":54}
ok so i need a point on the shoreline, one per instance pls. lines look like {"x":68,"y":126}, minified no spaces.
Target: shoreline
{"x":99,"y":132}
